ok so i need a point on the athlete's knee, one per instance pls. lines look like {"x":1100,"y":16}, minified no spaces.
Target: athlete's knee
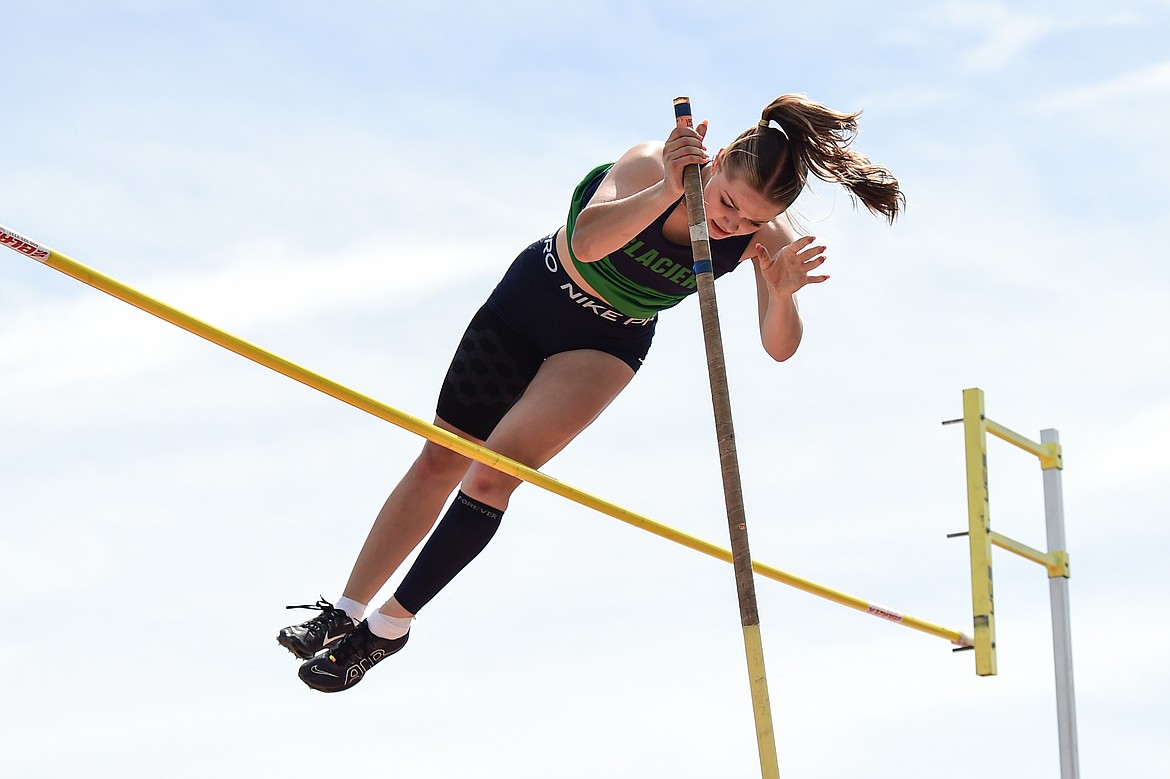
{"x":439,"y":464}
{"x":489,"y":485}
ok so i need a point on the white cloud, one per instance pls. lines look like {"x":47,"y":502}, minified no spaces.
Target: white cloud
{"x":1148,"y":83}
{"x":270,"y":283}
{"x":254,"y":288}
{"x":1005,"y":31}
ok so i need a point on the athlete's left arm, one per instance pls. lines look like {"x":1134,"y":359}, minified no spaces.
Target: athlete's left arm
{"x":783,"y":264}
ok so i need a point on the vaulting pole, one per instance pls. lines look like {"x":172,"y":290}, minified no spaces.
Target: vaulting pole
{"x":728,"y":460}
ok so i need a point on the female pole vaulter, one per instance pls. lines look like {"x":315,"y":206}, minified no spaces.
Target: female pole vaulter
{"x":565,"y":331}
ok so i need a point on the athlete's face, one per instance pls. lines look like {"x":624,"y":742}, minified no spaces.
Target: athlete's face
{"x":733,"y":207}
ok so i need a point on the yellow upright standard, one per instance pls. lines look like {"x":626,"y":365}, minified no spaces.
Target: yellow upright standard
{"x":976,"y":428}
{"x":979,"y":531}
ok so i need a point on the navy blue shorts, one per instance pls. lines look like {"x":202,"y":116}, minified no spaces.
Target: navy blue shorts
{"x":535,"y":311}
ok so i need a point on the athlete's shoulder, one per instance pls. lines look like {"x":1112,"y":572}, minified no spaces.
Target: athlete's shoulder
{"x":639,"y":167}
{"x":646,"y":150}
{"x":642,"y":161}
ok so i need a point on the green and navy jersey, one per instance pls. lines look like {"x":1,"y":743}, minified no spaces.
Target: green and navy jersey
{"x":650,"y":273}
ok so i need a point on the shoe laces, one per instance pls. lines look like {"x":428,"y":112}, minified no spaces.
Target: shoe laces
{"x":361,"y":644}
{"x":330,"y":615}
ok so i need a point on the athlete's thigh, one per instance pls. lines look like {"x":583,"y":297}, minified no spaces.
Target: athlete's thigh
{"x":491,"y":368}
{"x":567,"y":393}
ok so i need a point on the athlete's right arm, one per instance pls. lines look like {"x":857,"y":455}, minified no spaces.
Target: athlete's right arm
{"x":640,"y":186}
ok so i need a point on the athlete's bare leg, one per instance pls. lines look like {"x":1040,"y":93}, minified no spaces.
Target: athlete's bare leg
{"x":407,"y":516}
{"x":568,"y":392}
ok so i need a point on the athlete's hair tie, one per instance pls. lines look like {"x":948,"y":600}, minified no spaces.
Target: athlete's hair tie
{"x":774,"y":125}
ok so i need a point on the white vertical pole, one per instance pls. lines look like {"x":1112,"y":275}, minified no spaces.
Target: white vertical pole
{"x":1066,"y":715}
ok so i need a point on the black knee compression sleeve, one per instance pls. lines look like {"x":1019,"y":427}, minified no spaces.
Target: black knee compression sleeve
{"x":464,"y":531}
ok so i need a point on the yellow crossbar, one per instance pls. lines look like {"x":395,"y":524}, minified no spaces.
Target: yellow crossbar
{"x":110,"y":286}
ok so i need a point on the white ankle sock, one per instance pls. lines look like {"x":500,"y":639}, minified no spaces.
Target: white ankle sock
{"x":351,"y":607}
{"x":388,"y":627}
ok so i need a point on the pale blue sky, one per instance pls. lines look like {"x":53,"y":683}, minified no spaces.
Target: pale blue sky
{"x":343,"y":183}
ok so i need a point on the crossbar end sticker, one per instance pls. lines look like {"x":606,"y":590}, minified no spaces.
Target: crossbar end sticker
{"x":26,"y":246}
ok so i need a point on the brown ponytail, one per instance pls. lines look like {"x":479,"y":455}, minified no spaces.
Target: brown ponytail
{"x":795,"y":137}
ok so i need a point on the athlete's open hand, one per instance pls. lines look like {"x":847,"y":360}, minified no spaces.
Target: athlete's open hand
{"x":683,"y":147}
{"x":789,"y":269}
